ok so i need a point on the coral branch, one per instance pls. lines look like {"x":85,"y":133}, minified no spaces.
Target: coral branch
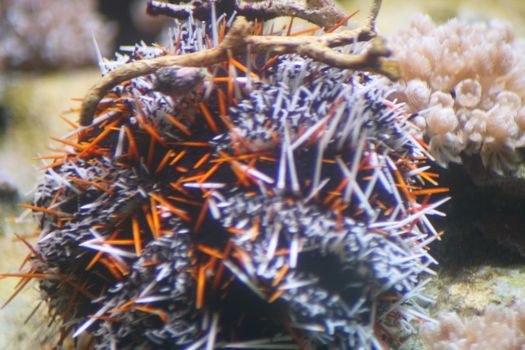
{"x":233,"y":41}
{"x":239,"y":39}
{"x":321,"y":12}
{"x":374,"y":12}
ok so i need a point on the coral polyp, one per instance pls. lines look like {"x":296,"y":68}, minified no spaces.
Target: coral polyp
{"x":270,"y":202}
{"x":48,"y":34}
{"x":465,"y":80}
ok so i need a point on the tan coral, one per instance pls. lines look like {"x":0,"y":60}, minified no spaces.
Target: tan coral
{"x":475,"y":69}
{"x":418,"y":93}
{"x":501,"y":328}
{"x":468,"y":93}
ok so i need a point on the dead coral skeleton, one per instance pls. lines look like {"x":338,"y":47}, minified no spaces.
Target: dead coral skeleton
{"x":321,"y":12}
{"x":239,"y":40}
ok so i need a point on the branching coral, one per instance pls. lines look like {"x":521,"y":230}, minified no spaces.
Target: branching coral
{"x":265,"y":201}
{"x":466,"y":81}
{"x":50,"y":33}
{"x":238,"y":40}
{"x":499,"y":327}
{"x":321,"y":12}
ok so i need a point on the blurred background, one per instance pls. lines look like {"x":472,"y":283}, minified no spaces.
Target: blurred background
{"x":48,"y":61}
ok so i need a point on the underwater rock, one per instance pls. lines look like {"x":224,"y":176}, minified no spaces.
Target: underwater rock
{"x":480,"y":307}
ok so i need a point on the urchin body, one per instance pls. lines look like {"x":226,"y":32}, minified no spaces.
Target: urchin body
{"x":294,"y":191}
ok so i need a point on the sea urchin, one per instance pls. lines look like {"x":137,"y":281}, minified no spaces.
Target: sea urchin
{"x":271,"y":202}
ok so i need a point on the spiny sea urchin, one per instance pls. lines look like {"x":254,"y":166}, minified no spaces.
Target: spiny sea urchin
{"x":280,"y":204}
